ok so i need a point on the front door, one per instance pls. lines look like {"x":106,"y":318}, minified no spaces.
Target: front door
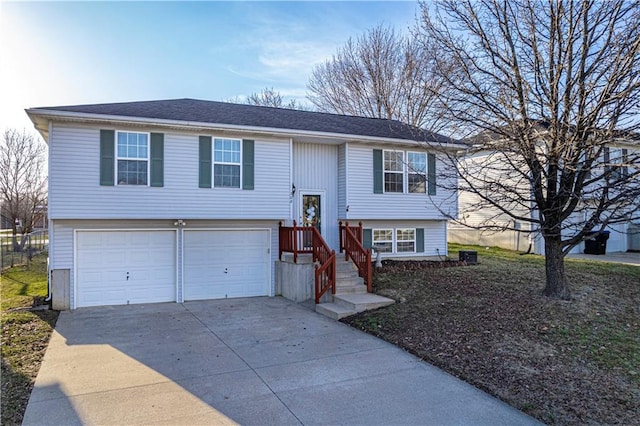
{"x":311,"y":211}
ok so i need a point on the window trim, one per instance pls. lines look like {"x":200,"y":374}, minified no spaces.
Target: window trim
{"x":405,"y":171}
{"x":373,"y":239}
{"x":424,"y":175}
{"x":214,"y":162}
{"x":394,"y":240}
{"x":414,"y":241}
{"x":117,"y":158}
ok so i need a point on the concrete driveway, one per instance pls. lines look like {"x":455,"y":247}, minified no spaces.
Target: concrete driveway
{"x":627,"y":258}
{"x":255,"y":361}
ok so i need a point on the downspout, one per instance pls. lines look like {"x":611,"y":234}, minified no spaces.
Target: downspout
{"x":291,"y":183}
{"x":346,"y":180}
{"x":49,"y":222}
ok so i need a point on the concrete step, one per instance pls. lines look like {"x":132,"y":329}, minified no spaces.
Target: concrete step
{"x":349,"y":281}
{"x":333,"y":310}
{"x":346,"y":274}
{"x":350,"y":289}
{"x":344,"y":305}
{"x":358,"y":302}
{"x":343,"y":265}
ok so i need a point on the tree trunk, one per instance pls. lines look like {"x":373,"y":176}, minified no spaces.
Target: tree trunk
{"x":23,"y":241}
{"x":557,"y":285}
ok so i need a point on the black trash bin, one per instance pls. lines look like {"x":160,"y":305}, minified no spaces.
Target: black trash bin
{"x":596,"y":243}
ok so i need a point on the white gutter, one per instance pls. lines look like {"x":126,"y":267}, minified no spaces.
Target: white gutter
{"x":52,"y":114}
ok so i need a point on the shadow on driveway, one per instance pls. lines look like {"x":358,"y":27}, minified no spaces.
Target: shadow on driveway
{"x":250,"y":361}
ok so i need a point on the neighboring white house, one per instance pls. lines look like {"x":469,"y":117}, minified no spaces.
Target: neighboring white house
{"x":522,"y":235}
{"x":181,"y":200}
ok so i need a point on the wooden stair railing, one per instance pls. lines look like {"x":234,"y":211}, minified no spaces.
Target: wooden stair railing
{"x":351,"y":243}
{"x":307,"y":239}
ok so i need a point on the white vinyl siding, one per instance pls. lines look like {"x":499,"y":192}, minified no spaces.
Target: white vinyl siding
{"x":342,"y":181}
{"x":75,"y":192}
{"x":315,"y":168}
{"x":364,"y":204}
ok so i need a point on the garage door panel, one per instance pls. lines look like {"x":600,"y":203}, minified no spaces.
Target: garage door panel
{"x":230,"y":263}
{"x":105,"y":257}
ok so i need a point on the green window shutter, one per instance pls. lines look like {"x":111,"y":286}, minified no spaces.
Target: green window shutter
{"x":107,"y":157}
{"x":367,"y":238}
{"x":431,"y":173}
{"x":420,"y":240}
{"x":377,"y":171}
{"x":247,"y":164}
{"x":205,"y":169}
{"x":157,"y":159}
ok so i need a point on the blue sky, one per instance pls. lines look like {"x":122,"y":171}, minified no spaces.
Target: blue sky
{"x":54,"y":53}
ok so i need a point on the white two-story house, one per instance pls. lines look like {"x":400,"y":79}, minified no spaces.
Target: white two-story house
{"x":179,"y":200}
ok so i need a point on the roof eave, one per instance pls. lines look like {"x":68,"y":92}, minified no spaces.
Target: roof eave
{"x":40,"y":117}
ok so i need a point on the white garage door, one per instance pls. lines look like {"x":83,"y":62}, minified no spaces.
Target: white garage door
{"x":123,"y":267}
{"x":231,"y":263}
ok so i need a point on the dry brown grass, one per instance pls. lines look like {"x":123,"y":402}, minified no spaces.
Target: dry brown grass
{"x":574,"y":362}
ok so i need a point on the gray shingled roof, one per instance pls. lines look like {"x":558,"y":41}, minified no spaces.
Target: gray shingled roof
{"x":195,"y":110}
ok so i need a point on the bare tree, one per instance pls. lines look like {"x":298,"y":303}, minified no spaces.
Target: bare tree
{"x":270,"y":98}
{"x":23,"y":184}
{"x":551,"y":91}
{"x":381,"y":74}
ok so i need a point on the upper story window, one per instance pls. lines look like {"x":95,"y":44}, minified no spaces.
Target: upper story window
{"x":226,"y":163}
{"x":417,"y":172}
{"x":132,"y":158}
{"x":616,"y":160}
{"x":400,"y":174}
{"x":393,"y":171}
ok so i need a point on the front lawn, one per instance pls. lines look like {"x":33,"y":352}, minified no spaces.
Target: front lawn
{"x":25,"y":334}
{"x":561,"y":362}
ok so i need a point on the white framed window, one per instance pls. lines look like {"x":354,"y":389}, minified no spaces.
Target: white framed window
{"x":405,"y":240}
{"x":383,"y":240}
{"x":227,"y":166}
{"x":132,"y":158}
{"x":393,"y":164}
{"x":417,"y":172}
